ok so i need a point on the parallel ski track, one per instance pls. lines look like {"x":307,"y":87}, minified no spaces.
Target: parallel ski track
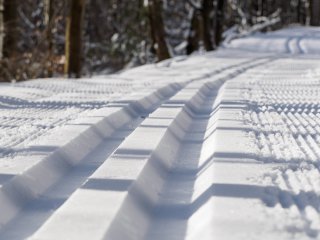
{"x":103,"y":134}
{"x":79,"y":172}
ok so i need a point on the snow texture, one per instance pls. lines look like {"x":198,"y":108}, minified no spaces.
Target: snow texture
{"x":223,"y":145}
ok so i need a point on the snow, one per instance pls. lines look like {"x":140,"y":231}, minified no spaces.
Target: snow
{"x":220,"y":145}
{"x":294,"y":40}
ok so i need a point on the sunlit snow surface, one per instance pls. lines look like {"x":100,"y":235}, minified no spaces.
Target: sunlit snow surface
{"x":224,"y":145}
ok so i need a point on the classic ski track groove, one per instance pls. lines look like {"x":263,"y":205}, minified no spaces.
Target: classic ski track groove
{"x":21,"y":190}
{"x":280,"y":122}
{"x":222,"y":145}
{"x":230,"y":74}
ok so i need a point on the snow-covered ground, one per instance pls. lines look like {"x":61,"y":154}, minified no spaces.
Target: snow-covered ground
{"x":294,"y":40}
{"x":224,"y":145}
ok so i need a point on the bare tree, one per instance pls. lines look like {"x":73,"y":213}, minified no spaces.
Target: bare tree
{"x":73,"y":48}
{"x":201,"y":26}
{"x":194,"y":32}
{"x":10,"y":17}
{"x":158,"y":34}
{"x":1,"y":28}
{"x":49,"y":18}
{"x":219,"y":22}
{"x":207,"y":21}
{"x":315,"y":12}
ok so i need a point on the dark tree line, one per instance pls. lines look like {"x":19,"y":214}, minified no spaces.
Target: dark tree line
{"x":45,"y":38}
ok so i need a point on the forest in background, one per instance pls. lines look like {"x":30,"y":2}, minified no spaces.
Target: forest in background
{"x":74,"y":38}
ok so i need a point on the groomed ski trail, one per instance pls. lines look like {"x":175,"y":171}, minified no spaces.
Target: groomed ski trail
{"x":217,"y":146}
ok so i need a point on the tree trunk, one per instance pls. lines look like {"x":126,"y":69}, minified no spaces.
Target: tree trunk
{"x":10,"y":16}
{"x":73,"y":48}
{"x":299,"y":20}
{"x":207,"y":12}
{"x":264,"y":7}
{"x":48,"y":14}
{"x":1,"y":28}
{"x":158,"y":30}
{"x":254,"y":12}
{"x":219,"y":22}
{"x":315,"y":12}
{"x":194,"y":33}
{"x":285,"y":12}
